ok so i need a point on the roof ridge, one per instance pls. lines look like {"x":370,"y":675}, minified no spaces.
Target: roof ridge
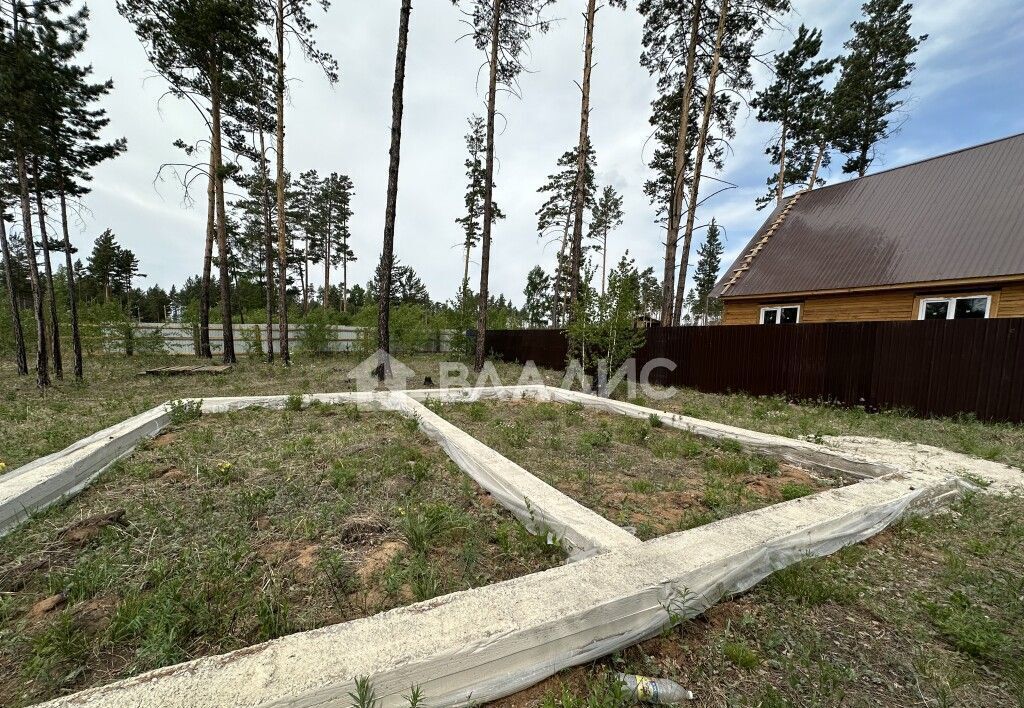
{"x":918,"y":162}
{"x":748,"y":258}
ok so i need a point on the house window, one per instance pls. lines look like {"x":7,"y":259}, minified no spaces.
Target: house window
{"x":780,"y":314}
{"x":967,"y":307}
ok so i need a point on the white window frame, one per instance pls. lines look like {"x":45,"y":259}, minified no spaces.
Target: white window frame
{"x":951,"y":302}
{"x":778,"y":310}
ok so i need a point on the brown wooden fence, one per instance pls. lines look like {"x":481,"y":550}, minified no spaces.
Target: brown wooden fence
{"x":933,"y":368}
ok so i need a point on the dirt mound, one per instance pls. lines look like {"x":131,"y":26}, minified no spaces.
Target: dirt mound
{"x":82,"y":532}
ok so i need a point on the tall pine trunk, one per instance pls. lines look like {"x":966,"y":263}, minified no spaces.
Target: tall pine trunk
{"x":698,"y":160}
{"x":675,"y":208}
{"x":604,"y":261}
{"x":222,"y":231}
{"x":782,"y":165}
{"x":344,"y":280}
{"x":305,"y":277}
{"x":51,"y":293}
{"x":204,"y":285}
{"x":559,"y":297}
{"x":19,"y":333}
{"x":76,"y":334}
{"x":327,"y":258}
{"x":42,"y":364}
{"x":485,"y":237}
{"x":268,"y":247}
{"x":282,"y":235}
{"x":817,"y":166}
{"x":387,"y":256}
{"x":580,"y":188}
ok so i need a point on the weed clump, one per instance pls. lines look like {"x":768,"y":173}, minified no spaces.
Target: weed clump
{"x":185,"y":411}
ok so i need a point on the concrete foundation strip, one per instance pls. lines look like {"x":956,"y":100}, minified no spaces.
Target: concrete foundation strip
{"x":49,"y":479}
{"x":539,"y":506}
{"x":481,"y":644}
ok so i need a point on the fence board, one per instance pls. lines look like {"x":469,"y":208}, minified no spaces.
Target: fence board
{"x":934,"y":368}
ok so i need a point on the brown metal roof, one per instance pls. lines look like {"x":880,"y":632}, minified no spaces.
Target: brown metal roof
{"x":959,"y":215}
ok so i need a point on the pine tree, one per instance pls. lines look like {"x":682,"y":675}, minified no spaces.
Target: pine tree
{"x":204,"y":48}
{"x":385,"y":268}
{"x":556,"y":216}
{"x":538,"y":298}
{"x":333,"y":210}
{"x":40,"y":184}
{"x":11,"y":282}
{"x":27,"y":81}
{"x":740,"y":24}
{"x":406,"y":287}
{"x":470,"y":222}
{"x":290,"y":18}
{"x":307,"y":189}
{"x":502,"y":29}
{"x":688,"y":46}
{"x":672,"y":33}
{"x":709,"y":261}
{"x":607,"y":217}
{"x":876,"y":68}
{"x":796,"y":102}
{"x":101,"y":265}
{"x":253,"y":113}
{"x":74,"y":146}
{"x":580,"y":183}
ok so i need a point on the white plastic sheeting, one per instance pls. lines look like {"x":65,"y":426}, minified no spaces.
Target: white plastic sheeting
{"x":482,"y":644}
{"x":479,"y":645}
{"x":54,"y":477}
{"x":539,"y":506}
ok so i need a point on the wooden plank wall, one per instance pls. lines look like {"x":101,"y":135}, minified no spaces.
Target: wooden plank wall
{"x":1007,"y":301}
{"x":933,"y":368}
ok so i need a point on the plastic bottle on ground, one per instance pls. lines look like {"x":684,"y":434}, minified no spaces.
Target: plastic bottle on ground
{"x":657,"y":691}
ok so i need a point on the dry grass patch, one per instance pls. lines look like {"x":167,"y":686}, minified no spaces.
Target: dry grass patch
{"x":637,"y":473}
{"x":233,"y":529}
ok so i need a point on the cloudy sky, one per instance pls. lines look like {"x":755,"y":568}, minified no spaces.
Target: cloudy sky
{"x":968,"y":88}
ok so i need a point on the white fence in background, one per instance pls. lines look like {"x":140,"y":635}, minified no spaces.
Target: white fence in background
{"x":183,"y":338}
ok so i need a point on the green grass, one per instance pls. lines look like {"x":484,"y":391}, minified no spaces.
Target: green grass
{"x":647,"y":476}
{"x":239,"y":528}
{"x":1002,"y":442}
{"x":930,"y":613}
{"x":35,"y":424}
{"x":741,"y":655}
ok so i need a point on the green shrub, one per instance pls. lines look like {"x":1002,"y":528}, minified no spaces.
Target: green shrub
{"x":252,"y":341}
{"x":316,"y":333}
{"x":151,"y":342}
{"x":414,"y":328}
